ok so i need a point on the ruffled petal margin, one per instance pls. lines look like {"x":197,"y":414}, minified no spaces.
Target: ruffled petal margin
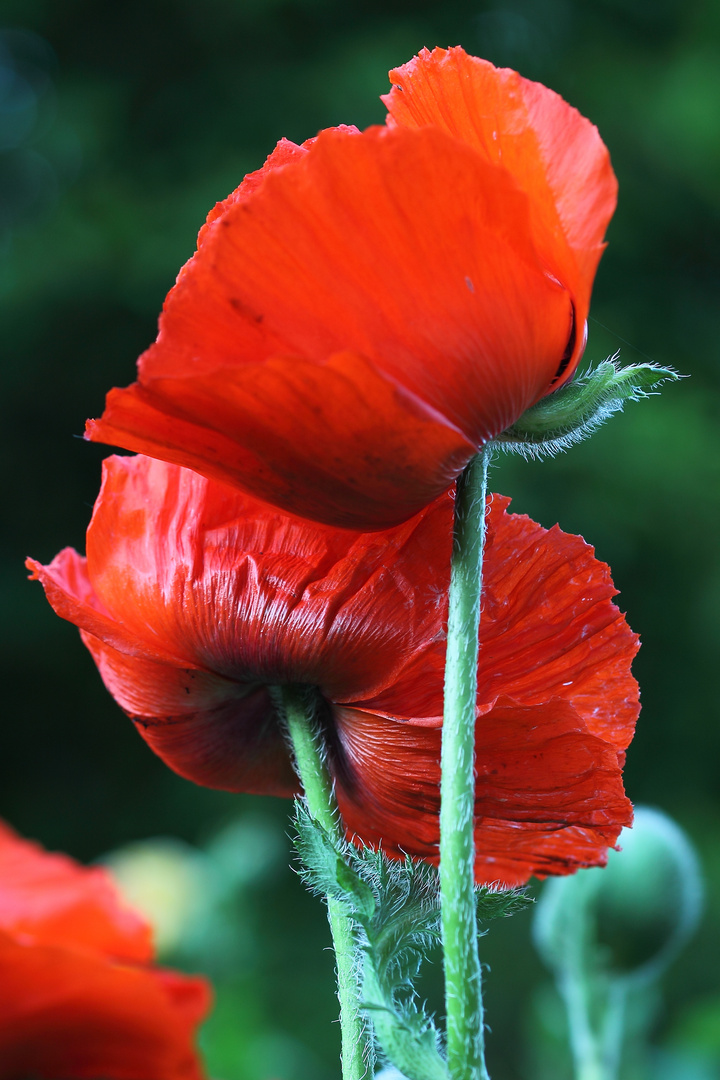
{"x":549,"y":795}
{"x":548,"y":629}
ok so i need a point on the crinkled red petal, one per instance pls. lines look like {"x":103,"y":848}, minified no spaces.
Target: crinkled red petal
{"x":548,"y":629}
{"x":215,"y":596}
{"x":549,"y":795}
{"x":199,"y":575}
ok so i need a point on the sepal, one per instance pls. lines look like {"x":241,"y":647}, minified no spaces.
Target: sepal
{"x":495,"y":903}
{"x":578,"y":408}
{"x":326,"y":868}
{"x":396,"y":907}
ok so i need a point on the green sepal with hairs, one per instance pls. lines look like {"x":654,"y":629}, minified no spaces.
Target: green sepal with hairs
{"x":395,"y":904}
{"x":577,"y":409}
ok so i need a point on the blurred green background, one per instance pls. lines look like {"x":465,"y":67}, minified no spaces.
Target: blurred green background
{"x":120,"y":126}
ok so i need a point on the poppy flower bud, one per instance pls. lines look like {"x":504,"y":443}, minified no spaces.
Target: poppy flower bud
{"x":649,"y":897}
{"x":631,"y":918}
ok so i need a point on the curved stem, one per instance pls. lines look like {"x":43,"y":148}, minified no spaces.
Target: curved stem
{"x":583,"y":1041}
{"x":595,"y":1006}
{"x":310,"y":765}
{"x":463,"y":976}
{"x":614,"y":1028}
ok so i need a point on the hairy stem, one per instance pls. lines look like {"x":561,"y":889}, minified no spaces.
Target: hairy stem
{"x":317,"y":785}
{"x":463,"y":976}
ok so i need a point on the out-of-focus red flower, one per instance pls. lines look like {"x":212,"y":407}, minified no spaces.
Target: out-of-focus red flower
{"x":195,"y":597}
{"x":79,"y":996}
{"x":368,"y":309}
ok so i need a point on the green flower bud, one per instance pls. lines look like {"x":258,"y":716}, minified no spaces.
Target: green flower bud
{"x":631,"y":918}
{"x":649,"y":897}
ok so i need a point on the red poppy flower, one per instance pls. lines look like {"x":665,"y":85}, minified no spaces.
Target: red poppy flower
{"x":369,"y":308}
{"x":195,"y":597}
{"x":79,"y":997}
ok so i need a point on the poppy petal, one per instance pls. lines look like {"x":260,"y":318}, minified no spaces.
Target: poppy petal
{"x":285,"y":153}
{"x":554,"y":154}
{"x":336,"y":442}
{"x":71,"y":595}
{"x":207,"y":729}
{"x":548,"y":628}
{"x":549,"y":795}
{"x":197,"y":575}
{"x":301,"y":271}
{"x":73,"y":1014}
{"x":54,"y":900}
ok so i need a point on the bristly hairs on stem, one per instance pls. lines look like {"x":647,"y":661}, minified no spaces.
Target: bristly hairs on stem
{"x":297,"y":708}
{"x":395,"y":904}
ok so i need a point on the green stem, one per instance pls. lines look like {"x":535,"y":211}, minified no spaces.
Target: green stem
{"x":575,"y":985}
{"x":614,"y":1028}
{"x":583,"y":1041}
{"x":595,"y":1007}
{"x":463,"y":976}
{"x":310,"y":766}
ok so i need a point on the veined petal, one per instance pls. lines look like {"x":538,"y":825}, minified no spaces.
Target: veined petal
{"x":73,"y":1015}
{"x":354,"y":248}
{"x":71,"y":595}
{"x":554,"y":154}
{"x":50,"y":898}
{"x":377,"y":258}
{"x":198,"y":575}
{"x":335,"y":442}
{"x":210,"y":730}
{"x":548,"y":628}
{"x":549,"y":794}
